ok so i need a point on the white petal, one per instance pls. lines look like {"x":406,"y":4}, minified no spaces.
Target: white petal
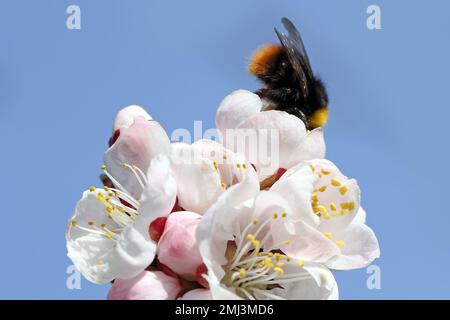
{"x":199,"y":182}
{"x":235,"y":108}
{"x":136,"y":145}
{"x":359,"y":250}
{"x":312,"y":147}
{"x":276,"y":136}
{"x":219,"y":291}
{"x":296,"y":187}
{"x":216,"y":227}
{"x":99,"y":258}
{"x":126,"y":116}
{"x":360,"y":216}
{"x":158,"y":197}
{"x":203,"y":171}
{"x":308,"y":244}
{"x":197,"y":294}
{"x":318,"y":285}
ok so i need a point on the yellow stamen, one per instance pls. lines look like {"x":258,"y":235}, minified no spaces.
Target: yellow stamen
{"x":323,"y":188}
{"x":322,"y":209}
{"x":300,"y":263}
{"x":279,"y":271}
{"x":109,"y":234}
{"x":325,"y":172}
{"x":343,"y":190}
{"x":348,"y":205}
{"x":328,"y":235}
{"x":103,"y":167}
{"x":333,"y":206}
{"x":242,"y":273}
{"x":335,"y":182}
{"x":340,"y":243}
{"x":91,"y":188}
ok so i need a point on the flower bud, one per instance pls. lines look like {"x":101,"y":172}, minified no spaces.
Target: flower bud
{"x":147,"y":285}
{"x":177,"y":247}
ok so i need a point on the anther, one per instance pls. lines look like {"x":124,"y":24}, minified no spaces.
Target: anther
{"x":343,"y":190}
{"x":335,"y":182}
{"x":279,"y":271}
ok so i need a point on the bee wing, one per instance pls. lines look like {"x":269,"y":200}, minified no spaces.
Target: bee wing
{"x":295,"y":37}
{"x":297,"y":54}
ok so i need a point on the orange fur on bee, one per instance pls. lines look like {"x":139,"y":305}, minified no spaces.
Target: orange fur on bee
{"x":262,"y":57}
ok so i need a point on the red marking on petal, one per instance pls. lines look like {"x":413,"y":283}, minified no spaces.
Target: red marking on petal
{"x":114,"y":137}
{"x":162,"y":267}
{"x":201,"y":270}
{"x":176,"y":207}
{"x":279,"y":173}
{"x":156,"y":228}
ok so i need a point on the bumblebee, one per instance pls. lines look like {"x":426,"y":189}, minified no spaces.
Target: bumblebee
{"x":289,"y":83}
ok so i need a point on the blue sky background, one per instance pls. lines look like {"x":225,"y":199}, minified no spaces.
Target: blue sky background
{"x":60,"y":90}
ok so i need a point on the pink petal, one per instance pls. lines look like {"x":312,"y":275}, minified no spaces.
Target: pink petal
{"x":177,"y":247}
{"x":148,"y":285}
{"x":126,"y":116}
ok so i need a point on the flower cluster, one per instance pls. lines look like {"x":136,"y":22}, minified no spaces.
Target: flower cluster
{"x":259,"y":215}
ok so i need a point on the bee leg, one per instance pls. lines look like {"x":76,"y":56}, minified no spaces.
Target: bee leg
{"x":282,"y":99}
{"x":277,"y":95}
